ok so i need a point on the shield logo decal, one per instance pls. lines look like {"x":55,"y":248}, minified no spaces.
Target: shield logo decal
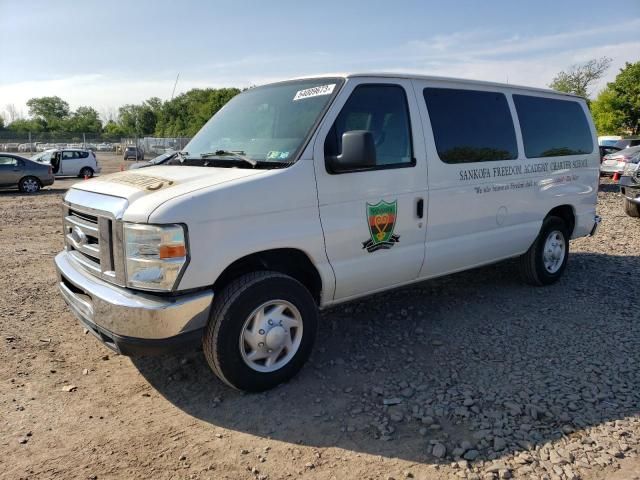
{"x":381,"y":219}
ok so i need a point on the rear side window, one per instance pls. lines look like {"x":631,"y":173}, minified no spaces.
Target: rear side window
{"x":552,"y":127}
{"x":8,"y":161}
{"x":471,"y":125}
{"x":83,"y":154}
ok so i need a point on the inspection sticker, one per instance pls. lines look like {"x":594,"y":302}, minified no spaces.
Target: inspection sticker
{"x":314,"y":91}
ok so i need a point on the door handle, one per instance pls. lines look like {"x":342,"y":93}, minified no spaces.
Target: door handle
{"x":420,"y":208}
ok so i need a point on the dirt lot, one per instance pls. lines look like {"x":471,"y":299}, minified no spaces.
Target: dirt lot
{"x":470,"y":376}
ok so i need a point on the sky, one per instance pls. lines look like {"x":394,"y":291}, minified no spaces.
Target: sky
{"x":108,"y":53}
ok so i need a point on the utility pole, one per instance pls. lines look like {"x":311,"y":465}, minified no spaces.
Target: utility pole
{"x":174,"y":86}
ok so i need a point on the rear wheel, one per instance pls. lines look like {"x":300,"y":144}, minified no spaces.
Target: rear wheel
{"x":631,"y":209}
{"x":29,"y":185}
{"x":261,"y":331}
{"x":545,"y":261}
{"x":86,"y":172}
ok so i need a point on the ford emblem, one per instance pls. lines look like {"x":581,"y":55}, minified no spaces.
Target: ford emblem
{"x":78,"y":236}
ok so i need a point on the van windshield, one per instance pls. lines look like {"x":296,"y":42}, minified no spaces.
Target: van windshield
{"x":267,"y":125}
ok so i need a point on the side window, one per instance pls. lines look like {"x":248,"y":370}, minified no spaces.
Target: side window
{"x":84,"y":154}
{"x":67,"y":155}
{"x":8,"y":161}
{"x":471,"y":125}
{"x":552,"y":127}
{"x":383,"y":111}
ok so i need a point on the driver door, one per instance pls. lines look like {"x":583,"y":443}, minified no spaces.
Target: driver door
{"x":373,"y":218}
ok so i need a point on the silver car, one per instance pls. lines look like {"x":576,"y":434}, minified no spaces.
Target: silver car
{"x":28,"y":176}
{"x":615,"y":162}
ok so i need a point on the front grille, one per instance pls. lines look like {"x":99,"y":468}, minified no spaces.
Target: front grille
{"x":91,"y":238}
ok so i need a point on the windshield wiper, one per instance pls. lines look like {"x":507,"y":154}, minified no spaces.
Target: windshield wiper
{"x":228,"y":153}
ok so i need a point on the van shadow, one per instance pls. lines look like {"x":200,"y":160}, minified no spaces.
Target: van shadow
{"x":45,"y":191}
{"x":477,"y":357}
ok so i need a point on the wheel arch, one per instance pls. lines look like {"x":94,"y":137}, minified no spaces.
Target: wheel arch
{"x":289,"y":261}
{"x":567,"y":214}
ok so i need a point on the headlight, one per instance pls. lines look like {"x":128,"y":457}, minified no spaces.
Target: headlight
{"x":155,"y":255}
{"x":630,"y":169}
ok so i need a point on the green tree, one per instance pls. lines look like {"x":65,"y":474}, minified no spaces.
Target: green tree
{"x":1,"y":122}
{"x":188,"y":112}
{"x":86,"y":120}
{"x":24,"y":126}
{"x":53,"y":110}
{"x":607,"y":118}
{"x":626,"y":100}
{"x":137,"y":119}
{"x":581,"y":77}
{"x":114,"y":130}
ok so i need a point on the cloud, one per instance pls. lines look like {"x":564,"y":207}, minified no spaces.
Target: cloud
{"x":492,"y":55}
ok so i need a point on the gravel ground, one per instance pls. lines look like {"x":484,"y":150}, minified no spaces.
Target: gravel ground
{"x":474,"y":376}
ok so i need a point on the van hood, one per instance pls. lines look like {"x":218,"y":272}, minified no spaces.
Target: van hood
{"x":157,"y":184}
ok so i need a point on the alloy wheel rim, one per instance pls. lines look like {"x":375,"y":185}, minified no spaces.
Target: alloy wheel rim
{"x":271,"y":336}
{"x":554,"y":251}
{"x":30,"y":185}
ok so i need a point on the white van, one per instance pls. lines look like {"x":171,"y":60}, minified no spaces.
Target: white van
{"x":307,"y":193}
{"x":70,"y":162}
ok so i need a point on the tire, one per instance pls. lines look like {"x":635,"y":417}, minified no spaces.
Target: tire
{"x":539,"y":267}
{"x":233,"y":320}
{"x":86,"y":172}
{"x":29,"y":185}
{"x":631,"y":209}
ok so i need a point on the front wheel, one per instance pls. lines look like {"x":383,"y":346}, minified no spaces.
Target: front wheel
{"x":631,"y":209}
{"x":545,"y":261}
{"x":261,"y":331}
{"x":29,"y":185}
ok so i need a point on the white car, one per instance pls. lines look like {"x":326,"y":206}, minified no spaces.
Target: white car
{"x":70,"y":162}
{"x":26,"y":147}
{"x":304,"y":194}
{"x":104,"y":147}
{"x":616,"y":162}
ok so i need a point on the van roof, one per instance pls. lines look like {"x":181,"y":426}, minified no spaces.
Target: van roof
{"x":437,"y":78}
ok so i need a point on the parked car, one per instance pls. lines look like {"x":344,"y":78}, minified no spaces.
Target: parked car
{"x":630,"y":187}
{"x":236,"y":247}
{"x":75,"y":162}
{"x":606,"y":150}
{"x":28,"y":176}
{"x":26,"y":147}
{"x":131,"y":151}
{"x":608,"y":140}
{"x":627,"y":142}
{"x":159,"y":160}
{"x":615,"y":162}
{"x":105,"y":147}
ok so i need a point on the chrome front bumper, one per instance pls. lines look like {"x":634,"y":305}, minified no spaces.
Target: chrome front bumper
{"x":116,"y":313}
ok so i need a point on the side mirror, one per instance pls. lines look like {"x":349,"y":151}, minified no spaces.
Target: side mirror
{"x":358,"y":152}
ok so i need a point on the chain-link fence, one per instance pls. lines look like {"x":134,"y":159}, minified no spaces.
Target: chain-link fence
{"x":30,"y":143}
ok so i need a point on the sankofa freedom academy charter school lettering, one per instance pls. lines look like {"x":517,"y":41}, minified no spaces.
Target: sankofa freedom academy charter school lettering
{"x":507,"y":171}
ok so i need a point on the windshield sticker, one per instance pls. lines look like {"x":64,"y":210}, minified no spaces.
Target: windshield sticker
{"x":275,"y":155}
{"x":314,"y":92}
{"x":381,"y":218}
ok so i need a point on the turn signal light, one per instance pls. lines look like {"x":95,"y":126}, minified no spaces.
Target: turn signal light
{"x":172,"y":251}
